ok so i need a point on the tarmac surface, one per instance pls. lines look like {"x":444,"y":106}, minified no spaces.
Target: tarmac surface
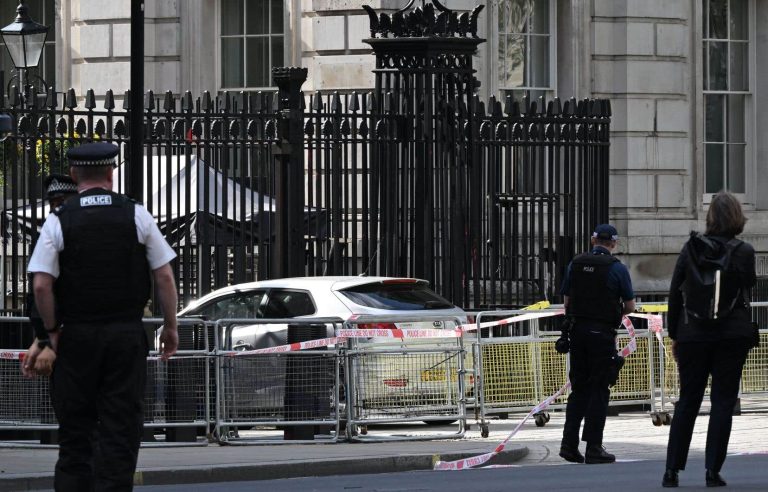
{"x":630,"y":436}
{"x":741,"y":473}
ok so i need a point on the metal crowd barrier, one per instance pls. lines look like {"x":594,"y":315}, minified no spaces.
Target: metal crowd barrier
{"x":179,"y":397}
{"x":271,"y":392}
{"x":515,"y":367}
{"x":513,"y":373}
{"x":754,"y":379}
{"x":635,"y":385}
{"x":177,"y":391}
{"x":243,"y":381}
{"x":393,"y":380}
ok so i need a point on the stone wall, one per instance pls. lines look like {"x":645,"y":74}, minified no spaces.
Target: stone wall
{"x":332,"y":47}
{"x":642,"y":61}
{"x":99,"y":45}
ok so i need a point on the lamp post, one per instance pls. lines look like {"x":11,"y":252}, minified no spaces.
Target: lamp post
{"x":25,"y":40}
{"x":6,"y":126}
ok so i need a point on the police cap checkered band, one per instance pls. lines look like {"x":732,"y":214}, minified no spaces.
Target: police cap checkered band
{"x":93,"y":154}
{"x":606,"y":231}
{"x":59,"y":184}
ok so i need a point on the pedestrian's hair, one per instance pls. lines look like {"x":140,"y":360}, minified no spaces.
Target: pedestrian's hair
{"x":608,"y":243}
{"x":725,"y":217}
{"x":90,"y":173}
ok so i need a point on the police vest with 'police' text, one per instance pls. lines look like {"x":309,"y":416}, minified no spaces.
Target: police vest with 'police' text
{"x":589,"y":296}
{"x":104,"y":271}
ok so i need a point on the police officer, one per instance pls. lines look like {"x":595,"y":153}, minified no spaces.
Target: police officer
{"x":58,"y":187}
{"x":597,"y":292}
{"x":102,"y":250}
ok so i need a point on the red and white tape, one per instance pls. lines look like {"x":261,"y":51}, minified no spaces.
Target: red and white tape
{"x":343,"y":334}
{"x":291,"y":347}
{"x":514,"y":319}
{"x":655,"y":326}
{"x":655,"y":322}
{"x":474,"y":461}
{"x":397,"y":333}
{"x":13,"y":354}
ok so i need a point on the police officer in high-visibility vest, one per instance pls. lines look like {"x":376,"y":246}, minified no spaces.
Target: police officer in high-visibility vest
{"x":597,"y":292}
{"x":102,"y":250}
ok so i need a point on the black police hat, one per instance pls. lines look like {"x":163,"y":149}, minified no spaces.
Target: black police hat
{"x":58,"y":185}
{"x":606,"y":231}
{"x":93,"y":154}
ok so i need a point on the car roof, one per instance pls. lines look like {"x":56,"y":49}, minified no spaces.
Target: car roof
{"x":305,"y":283}
{"x":335,"y":283}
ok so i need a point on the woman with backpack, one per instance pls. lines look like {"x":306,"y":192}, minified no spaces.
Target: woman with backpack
{"x":709,"y":322}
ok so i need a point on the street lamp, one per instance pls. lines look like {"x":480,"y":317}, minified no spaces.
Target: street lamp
{"x":24,"y":39}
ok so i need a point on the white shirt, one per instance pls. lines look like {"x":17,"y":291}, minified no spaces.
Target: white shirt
{"x":45,"y":257}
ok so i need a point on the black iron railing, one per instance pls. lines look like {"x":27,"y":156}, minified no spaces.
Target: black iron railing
{"x":419,"y":177}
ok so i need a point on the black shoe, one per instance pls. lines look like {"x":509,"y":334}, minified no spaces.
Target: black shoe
{"x":596,"y":453}
{"x":571,"y":453}
{"x":714,"y":479}
{"x":670,"y":478}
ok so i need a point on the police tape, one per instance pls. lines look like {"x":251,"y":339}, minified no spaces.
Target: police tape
{"x":13,"y":354}
{"x":514,"y":319}
{"x":655,"y":322}
{"x":291,"y":347}
{"x":474,"y":461}
{"x":397,"y":333}
{"x":655,"y":326}
{"x":343,"y":334}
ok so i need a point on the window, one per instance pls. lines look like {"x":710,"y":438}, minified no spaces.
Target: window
{"x":240,"y":305}
{"x":251,"y":42}
{"x":726,"y":94}
{"x":396,"y":297}
{"x":524,"y":47}
{"x":289,"y":304}
{"x":42,"y":12}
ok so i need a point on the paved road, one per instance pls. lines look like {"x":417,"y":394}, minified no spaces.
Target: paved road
{"x":742,"y":472}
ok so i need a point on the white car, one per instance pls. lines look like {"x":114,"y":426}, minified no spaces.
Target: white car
{"x":258,"y":384}
{"x":312,"y":297}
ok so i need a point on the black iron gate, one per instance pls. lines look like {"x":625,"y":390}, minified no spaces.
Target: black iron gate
{"x":419,"y":177}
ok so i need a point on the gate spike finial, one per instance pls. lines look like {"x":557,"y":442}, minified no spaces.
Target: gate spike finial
{"x":440,"y":6}
{"x":430,"y":19}
{"x":409,"y":5}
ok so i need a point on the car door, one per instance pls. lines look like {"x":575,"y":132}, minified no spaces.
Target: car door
{"x":309,"y":377}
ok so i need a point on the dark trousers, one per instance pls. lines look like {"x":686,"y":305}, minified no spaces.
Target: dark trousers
{"x":696,"y":361}
{"x":97,"y":391}
{"x":592,"y":351}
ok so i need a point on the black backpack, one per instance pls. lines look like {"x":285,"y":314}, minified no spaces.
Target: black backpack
{"x":711,"y":289}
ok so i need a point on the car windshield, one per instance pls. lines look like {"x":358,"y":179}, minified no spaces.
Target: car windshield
{"x":396,"y":296}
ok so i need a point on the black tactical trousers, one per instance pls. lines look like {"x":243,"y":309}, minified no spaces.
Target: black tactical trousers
{"x":724,"y":360}
{"x":97,"y":390}
{"x":591,"y":359}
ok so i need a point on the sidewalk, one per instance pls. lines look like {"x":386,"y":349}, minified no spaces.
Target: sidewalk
{"x":629,"y":436}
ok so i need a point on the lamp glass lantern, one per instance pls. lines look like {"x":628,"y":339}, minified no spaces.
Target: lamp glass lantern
{"x":24,"y":38}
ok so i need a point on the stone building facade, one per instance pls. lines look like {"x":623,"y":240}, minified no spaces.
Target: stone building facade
{"x":682,"y":75}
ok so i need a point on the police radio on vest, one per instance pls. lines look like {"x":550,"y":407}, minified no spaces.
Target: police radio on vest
{"x":98,"y":200}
